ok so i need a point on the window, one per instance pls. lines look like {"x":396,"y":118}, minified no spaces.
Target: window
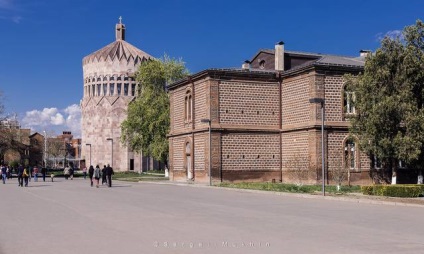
{"x":402,"y":164}
{"x":132,"y":89}
{"x":126,"y":89}
{"x":188,"y":106}
{"x":349,"y":102}
{"x":350,"y":154}
{"x":104,"y":89}
{"x":111,"y":87}
{"x":118,"y":88}
{"x":262,"y":64}
{"x":98,"y":89}
{"x":93,"y":90}
{"x":375,"y":162}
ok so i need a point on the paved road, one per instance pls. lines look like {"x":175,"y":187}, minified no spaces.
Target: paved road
{"x":71,"y":217}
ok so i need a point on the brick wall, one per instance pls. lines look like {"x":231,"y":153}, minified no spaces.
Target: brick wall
{"x":247,"y":103}
{"x":250,"y":151}
{"x":295,"y":96}
{"x":333,"y":98}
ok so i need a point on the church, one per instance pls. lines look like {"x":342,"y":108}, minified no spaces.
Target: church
{"x":262,"y":122}
{"x":109,"y":86}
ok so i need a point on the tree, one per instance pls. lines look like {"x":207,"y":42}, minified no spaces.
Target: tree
{"x":148,"y":121}
{"x":389,"y":101}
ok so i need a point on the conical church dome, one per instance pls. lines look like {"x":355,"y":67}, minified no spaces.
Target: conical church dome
{"x":120,"y":50}
{"x":117,"y":58}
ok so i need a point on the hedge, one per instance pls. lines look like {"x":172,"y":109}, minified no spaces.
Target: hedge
{"x":396,"y":190}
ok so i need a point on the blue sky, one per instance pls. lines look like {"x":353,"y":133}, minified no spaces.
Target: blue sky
{"x":42,"y":42}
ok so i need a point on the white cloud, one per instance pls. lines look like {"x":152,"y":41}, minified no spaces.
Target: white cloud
{"x":393,"y":34}
{"x":52,"y":119}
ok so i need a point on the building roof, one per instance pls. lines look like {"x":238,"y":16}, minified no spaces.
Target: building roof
{"x":323,"y":59}
{"x":117,"y":50}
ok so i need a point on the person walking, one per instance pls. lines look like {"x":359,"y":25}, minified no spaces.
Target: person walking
{"x":104,"y":174}
{"x":25,"y":176}
{"x":109,"y":172}
{"x":43,"y":173}
{"x":3,"y":173}
{"x":20,"y":174}
{"x":35,"y":174}
{"x":90,"y":174}
{"x":84,"y":172}
{"x":66,"y":172}
{"x":96,"y":175}
{"x":71,"y":172}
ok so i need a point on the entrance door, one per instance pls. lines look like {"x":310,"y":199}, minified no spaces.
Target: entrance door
{"x":131,"y":164}
{"x":190,"y":173}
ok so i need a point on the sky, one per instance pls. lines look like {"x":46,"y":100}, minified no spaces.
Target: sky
{"x":42,"y":42}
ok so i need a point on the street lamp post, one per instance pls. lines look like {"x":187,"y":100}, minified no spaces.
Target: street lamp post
{"x":90,"y":152}
{"x":111,"y":163}
{"x":45,"y":149}
{"x":210,"y":148}
{"x":321,"y":101}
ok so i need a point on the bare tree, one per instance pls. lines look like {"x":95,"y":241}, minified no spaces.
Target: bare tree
{"x":298,"y":168}
{"x":341,"y":168}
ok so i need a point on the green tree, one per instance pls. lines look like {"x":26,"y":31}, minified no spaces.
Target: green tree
{"x":148,"y":120}
{"x":389,"y":100}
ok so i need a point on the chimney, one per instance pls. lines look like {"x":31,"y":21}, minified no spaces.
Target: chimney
{"x":246,"y":65}
{"x":364,"y":53}
{"x":279,"y":56}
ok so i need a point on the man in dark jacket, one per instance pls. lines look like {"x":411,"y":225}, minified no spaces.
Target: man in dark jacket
{"x":20,"y":175}
{"x":109,"y":172}
{"x":104,"y":174}
{"x":90,"y":174}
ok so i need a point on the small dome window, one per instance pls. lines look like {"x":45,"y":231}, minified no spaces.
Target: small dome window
{"x":262,"y":64}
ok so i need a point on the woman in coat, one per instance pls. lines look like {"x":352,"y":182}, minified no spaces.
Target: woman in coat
{"x":96,"y":175}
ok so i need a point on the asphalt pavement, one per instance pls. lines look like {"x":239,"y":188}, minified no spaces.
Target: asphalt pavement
{"x":69,"y":216}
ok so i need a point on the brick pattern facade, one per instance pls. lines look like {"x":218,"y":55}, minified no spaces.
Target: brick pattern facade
{"x":248,"y":151}
{"x":259,"y":126}
{"x":295,"y":96}
{"x":251,"y":107}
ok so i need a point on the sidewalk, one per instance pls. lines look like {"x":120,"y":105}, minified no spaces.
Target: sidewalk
{"x":355,"y":197}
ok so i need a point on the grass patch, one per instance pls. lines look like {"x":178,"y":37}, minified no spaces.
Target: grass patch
{"x":292,"y":188}
{"x":153,"y":175}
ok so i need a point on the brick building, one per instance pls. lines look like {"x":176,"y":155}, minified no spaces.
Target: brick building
{"x":263,"y":124}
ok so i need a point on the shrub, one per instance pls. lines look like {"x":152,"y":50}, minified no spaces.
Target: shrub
{"x":398,"y":190}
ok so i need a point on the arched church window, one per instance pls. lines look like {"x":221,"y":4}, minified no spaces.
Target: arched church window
{"x":133,"y":88}
{"x":93,"y":89}
{"x":118,"y":78}
{"x":126,"y":89}
{"x":99,"y":79}
{"x":188,"y":101}
{"x":104,"y":89}
{"x":111,"y":88}
{"x":125,"y":78}
{"x":112,"y":78}
{"x":118,"y":88}
{"x":99,"y":86}
{"x":104,"y":78}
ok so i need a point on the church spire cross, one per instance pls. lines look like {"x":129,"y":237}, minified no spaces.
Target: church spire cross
{"x":120,"y":20}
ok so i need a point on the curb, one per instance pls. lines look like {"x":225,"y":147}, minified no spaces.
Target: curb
{"x":362,"y":200}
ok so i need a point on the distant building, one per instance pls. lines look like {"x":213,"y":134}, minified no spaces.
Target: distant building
{"x":109,"y":86}
{"x":263,"y":124}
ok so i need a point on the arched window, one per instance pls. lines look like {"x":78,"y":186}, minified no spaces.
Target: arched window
{"x":348,"y":101}
{"x":350,"y":154}
{"x":188,"y":102}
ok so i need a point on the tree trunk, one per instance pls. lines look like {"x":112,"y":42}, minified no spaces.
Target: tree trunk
{"x":394,"y":171}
